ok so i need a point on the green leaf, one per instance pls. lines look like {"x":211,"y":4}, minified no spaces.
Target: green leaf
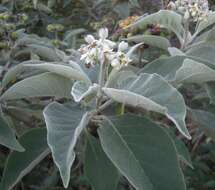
{"x":143,"y":152}
{"x":80,"y":90}
{"x":206,"y":121}
{"x":167,"y":19}
{"x":64,"y":125}
{"x":175,"y":51}
{"x":166,"y":67}
{"x":203,"y":52}
{"x":45,"y":52}
{"x":20,"y":164}
{"x":194,"y":72}
{"x":43,"y":85}
{"x":15,"y":71}
{"x":63,"y":70}
{"x":152,"y":92}
{"x":183,"y":152}
{"x":152,"y":40}
{"x":8,"y":137}
{"x":100,"y":171}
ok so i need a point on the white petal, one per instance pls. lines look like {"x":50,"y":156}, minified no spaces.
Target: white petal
{"x":123,"y":46}
{"x":115,"y":63}
{"x":89,"y":39}
{"x":103,"y":33}
{"x":110,"y":43}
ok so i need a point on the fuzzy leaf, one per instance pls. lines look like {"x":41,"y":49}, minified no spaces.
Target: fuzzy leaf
{"x":19,"y":164}
{"x":143,"y":152}
{"x":100,"y":171}
{"x":64,"y":125}
{"x":152,"y":92}
{"x":43,"y":85}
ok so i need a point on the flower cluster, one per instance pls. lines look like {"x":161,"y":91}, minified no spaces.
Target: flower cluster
{"x":103,"y":50}
{"x":196,"y":10}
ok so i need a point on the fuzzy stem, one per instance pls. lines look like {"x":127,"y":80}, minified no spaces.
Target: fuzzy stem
{"x":101,"y":84}
{"x":186,"y":33}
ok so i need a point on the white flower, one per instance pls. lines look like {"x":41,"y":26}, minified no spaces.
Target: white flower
{"x":123,"y":46}
{"x":115,"y":63}
{"x":103,"y":33}
{"x":89,"y":39}
{"x":96,"y":51}
{"x":196,"y":10}
{"x":120,"y":59}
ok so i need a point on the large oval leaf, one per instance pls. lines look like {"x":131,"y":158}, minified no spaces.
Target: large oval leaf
{"x":64,"y":125}
{"x":194,"y":72}
{"x":19,"y":164}
{"x":63,"y":70}
{"x":167,"y":19}
{"x":152,"y":40}
{"x":8,"y":137}
{"x":100,"y":171}
{"x":166,"y":67}
{"x":152,"y":92}
{"x":43,"y":85}
{"x":143,"y":152}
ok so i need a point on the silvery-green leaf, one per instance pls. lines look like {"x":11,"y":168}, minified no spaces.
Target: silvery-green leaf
{"x":203,"y":52}
{"x":152,"y":40}
{"x":19,"y":164}
{"x":64,"y":125}
{"x":15,"y":71}
{"x":99,"y":170}
{"x":61,"y":69}
{"x":194,"y":72}
{"x":167,"y":19}
{"x":175,"y":51}
{"x":205,"y":120}
{"x":166,"y":67}
{"x":8,"y":137}
{"x":45,"y":52}
{"x":143,"y":152}
{"x":117,"y":76}
{"x":152,"y":92}
{"x":42,"y":85}
{"x":80,"y":90}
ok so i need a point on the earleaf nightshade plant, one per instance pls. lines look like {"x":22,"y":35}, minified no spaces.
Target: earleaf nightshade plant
{"x":88,"y":89}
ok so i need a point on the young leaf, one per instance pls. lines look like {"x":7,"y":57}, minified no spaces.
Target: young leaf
{"x":143,"y":152}
{"x":8,"y":138}
{"x":64,"y":125}
{"x":20,"y":164}
{"x":152,"y":92}
{"x":80,"y":90}
{"x":63,"y":70}
{"x":167,"y":19}
{"x":42,"y":85}
{"x":100,"y":171}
